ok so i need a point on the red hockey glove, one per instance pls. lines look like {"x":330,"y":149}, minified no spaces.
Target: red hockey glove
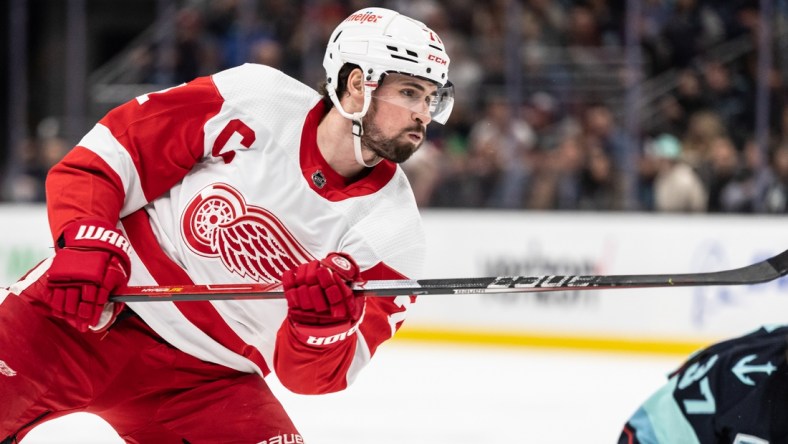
{"x":91,"y":261}
{"x":319,"y":294}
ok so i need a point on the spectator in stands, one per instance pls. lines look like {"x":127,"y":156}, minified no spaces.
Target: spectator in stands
{"x":703,"y":128}
{"x":728,"y":95}
{"x":689,"y":92}
{"x":557,"y":180}
{"x":542,"y":113}
{"x":196,"y":51}
{"x":40,"y":154}
{"x":670,"y":117}
{"x":693,"y":27}
{"x":244,"y":28}
{"x":267,"y":52}
{"x":718,"y":170}
{"x":546,"y":20}
{"x":544,"y":73}
{"x":655,"y":51}
{"x":564,"y":47}
{"x":510,"y":142}
{"x":584,"y":41}
{"x":774,"y":191}
{"x":599,"y":127}
{"x":647,"y":169}
{"x":468,"y":179}
{"x":743,"y":192}
{"x":598,"y":187}
{"x":677,"y":187}
{"x":424,"y":172}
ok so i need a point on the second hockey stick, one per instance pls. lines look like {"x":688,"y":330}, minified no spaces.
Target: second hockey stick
{"x":764,"y":271}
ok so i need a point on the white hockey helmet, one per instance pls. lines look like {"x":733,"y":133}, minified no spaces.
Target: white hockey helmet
{"x":382,"y":41}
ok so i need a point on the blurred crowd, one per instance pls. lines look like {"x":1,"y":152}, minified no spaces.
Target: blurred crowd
{"x":539,"y":122}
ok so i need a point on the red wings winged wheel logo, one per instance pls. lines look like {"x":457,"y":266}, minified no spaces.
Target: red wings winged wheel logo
{"x":250,"y":241}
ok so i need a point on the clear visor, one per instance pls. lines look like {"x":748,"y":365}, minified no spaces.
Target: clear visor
{"x":436,"y":104}
{"x":440,"y":110}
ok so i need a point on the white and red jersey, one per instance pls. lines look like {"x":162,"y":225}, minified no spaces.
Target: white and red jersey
{"x":220,"y":181}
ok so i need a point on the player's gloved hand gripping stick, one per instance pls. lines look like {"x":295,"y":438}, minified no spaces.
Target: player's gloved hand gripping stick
{"x":91,"y":262}
{"x":320,"y":300}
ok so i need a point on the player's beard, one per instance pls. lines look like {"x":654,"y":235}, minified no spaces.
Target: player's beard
{"x":396,"y":149}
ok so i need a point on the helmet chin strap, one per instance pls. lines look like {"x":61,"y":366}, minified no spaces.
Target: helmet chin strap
{"x":358,"y":131}
{"x":357,"y":125}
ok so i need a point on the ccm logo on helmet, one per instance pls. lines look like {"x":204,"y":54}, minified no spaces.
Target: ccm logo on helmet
{"x":364,"y":17}
{"x":436,"y":59}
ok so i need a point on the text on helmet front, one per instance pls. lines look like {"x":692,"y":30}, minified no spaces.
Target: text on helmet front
{"x":364,"y":18}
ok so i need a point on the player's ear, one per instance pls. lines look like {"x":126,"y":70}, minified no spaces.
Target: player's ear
{"x":355,"y":84}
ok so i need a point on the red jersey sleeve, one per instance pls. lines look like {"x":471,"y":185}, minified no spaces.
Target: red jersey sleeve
{"x":309,"y":369}
{"x":135,"y":153}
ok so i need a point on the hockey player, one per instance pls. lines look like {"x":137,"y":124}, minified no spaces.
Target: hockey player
{"x":243,"y":176}
{"x":733,"y":392}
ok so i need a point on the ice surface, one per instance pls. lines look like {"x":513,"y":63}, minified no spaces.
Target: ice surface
{"x":421,"y":393}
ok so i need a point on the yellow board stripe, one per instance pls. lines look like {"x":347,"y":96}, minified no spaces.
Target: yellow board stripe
{"x":540,"y":340}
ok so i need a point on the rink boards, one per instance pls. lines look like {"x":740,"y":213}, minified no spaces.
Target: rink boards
{"x":669,"y":320}
{"x":494,"y":243}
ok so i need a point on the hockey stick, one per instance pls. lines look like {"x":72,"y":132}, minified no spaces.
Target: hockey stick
{"x":764,"y":271}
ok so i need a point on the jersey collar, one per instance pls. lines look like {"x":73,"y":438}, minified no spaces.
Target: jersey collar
{"x":326,"y":182}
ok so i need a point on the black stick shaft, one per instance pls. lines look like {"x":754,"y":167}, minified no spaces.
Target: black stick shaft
{"x":760,"y":272}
